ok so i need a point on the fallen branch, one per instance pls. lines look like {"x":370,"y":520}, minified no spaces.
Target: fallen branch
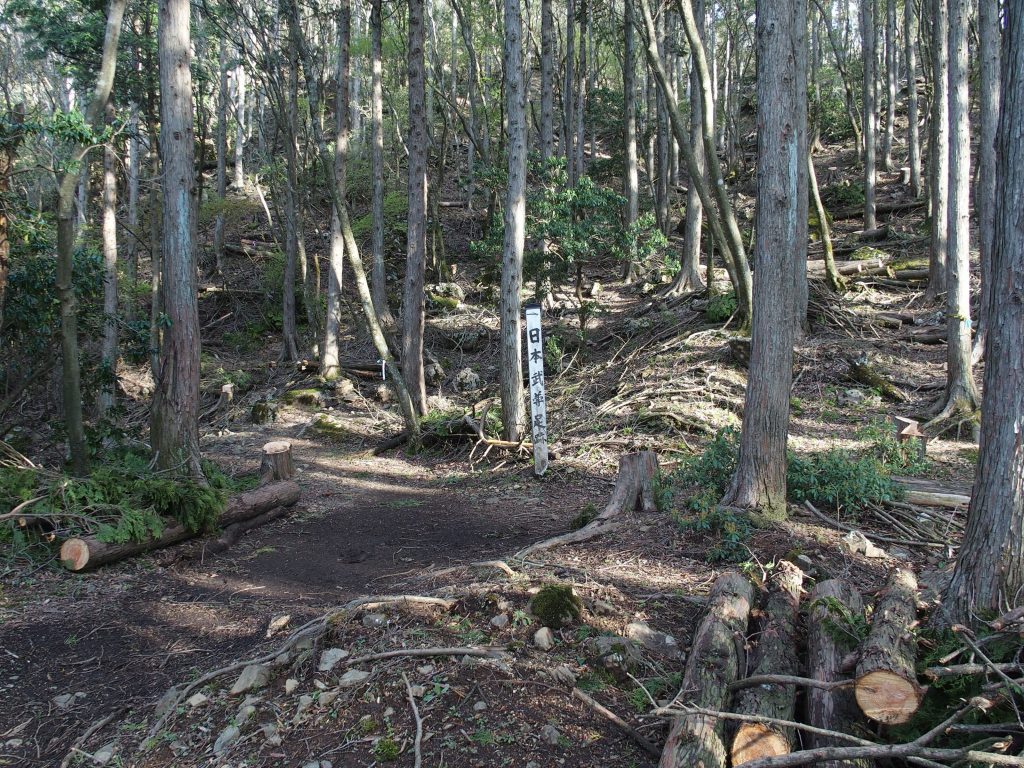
{"x":634,"y":486}
{"x":417,"y":742}
{"x":804,"y":682}
{"x":486,"y":652}
{"x":233,"y":533}
{"x":625,"y":727}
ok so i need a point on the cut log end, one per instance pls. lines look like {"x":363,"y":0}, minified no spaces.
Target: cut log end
{"x":74,"y":554}
{"x":886,"y":697}
{"x":756,"y":740}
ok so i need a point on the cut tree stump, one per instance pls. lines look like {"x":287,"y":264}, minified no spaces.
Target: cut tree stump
{"x":712,"y":665}
{"x":634,"y":487}
{"x":827,"y":657}
{"x":775,"y":654}
{"x":276,"y":463}
{"x":88,"y":552}
{"x":887,"y":690}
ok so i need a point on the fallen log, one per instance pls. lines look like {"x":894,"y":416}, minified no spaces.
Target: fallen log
{"x":929,"y":499}
{"x":887,"y":690}
{"x":634,"y":486}
{"x":864,"y":373}
{"x":774,"y":654}
{"x":895,"y":207}
{"x":233,"y":533}
{"x":827,"y":650}
{"x":88,"y":552}
{"x":713,"y":663}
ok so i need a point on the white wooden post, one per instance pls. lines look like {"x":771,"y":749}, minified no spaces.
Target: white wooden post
{"x":538,"y":402}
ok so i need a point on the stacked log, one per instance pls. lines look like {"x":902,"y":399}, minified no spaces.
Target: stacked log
{"x":713,"y":664}
{"x":775,"y":654}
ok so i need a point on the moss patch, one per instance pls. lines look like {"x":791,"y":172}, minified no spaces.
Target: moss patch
{"x":556,"y":605}
{"x":311,"y":397}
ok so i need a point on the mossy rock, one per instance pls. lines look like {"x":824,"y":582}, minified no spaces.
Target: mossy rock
{"x":867,"y":252}
{"x":444,"y":303}
{"x":329,"y":427}
{"x":585,"y":516}
{"x":556,"y":605}
{"x":263,"y":412}
{"x":310,"y":397}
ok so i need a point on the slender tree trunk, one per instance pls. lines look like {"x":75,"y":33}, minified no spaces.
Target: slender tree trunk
{"x":939,"y":149}
{"x":961,"y":392}
{"x":869,"y":36}
{"x":989,"y":573}
{"x":581,"y":93}
{"x":379,"y":278}
{"x":174,"y":426}
{"x":985,"y":196}
{"x":663,"y":139}
{"x":832,"y":276}
{"x":632,"y":174}
{"x":132,"y":245}
{"x":331,"y":355}
{"x":913,"y":132}
{"x":688,"y":278}
{"x":108,"y":347}
{"x":71,"y":370}
{"x":569,"y":93}
{"x":222,"y":159}
{"x":11,"y":138}
{"x":292,"y":204}
{"x":513,"y":414}
{"x":413,"y":318}
{"x":760,"y":479}
{"x":240,"y":126}
{"x":547,"y":81}
{"x":890,"y":83}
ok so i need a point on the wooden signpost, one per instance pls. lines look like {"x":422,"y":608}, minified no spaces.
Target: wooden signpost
{"x":538,"y":402}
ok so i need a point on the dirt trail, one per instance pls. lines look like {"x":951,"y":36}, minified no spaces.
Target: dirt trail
{"x":117,"y":639}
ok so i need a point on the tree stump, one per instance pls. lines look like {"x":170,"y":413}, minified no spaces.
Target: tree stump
{"x":774,"y":654}
{"x":887,"y":690}
{"x":276,"y":463}
{"x":827,"y":650}
{"x":712,"y":665}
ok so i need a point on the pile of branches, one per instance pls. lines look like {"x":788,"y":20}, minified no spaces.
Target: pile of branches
{"x":763,"y":704}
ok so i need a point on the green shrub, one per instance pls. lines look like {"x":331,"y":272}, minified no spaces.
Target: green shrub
{"x":721,"y":307}
{"x":836,"y":479}
{"x":905,"y":458}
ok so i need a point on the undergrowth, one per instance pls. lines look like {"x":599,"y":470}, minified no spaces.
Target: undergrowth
{"x":834,"y":478}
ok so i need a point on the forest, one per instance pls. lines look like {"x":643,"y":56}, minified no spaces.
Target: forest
{"x":460,"y":383}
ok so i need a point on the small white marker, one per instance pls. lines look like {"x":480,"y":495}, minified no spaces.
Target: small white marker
{"x":538,"y":398}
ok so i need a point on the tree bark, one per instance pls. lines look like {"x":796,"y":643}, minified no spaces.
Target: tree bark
{"x":413,"y":317}
{"x":513,"y":414}
{"x":174,"y":423}
{"x":939,"y":149}
{"x":869,"y":36}
{"x":290,"y":130}
{"x":10,"y":139}
{"x":331,"y":355}
{"x":985,"y":195}
{"x":890,"y":83}
{"x":913,"y":131}
{"x":378,"y":279}
{"x":632,"y":174}
{"x":547,"y":81}
{"x":760,"y":479}
{"x":887,"y":689}
{"x":829,"y":642}
{"x":88,"y":552}
{"x":990,"y":566}
{"x":240,"y":125}
{"x":222,"y":159}
{"x":712,"y":665}
{"x":775,"y":653}
{"x":71,"y":378}
{"x":276,"y":463}
{"x":108,"y":347}
{"x":832,"y":277}
{"x":962,"y":397}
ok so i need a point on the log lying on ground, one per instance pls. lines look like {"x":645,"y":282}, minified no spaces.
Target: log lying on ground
{"x":775,"y":654}
{"x":88,"y":552}
{"x":930,"y":493}
{"x":888,"y":207}
{"x":712,"y":665}
{"x":864,"y":373}
{"x":233,"y":533}
{"x":634,"y":487}
{"x":887,"y":689}
{"x":827,"y":651}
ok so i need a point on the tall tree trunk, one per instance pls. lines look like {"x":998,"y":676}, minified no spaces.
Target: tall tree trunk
{"x":331,"y":356}
{"x":632,"y":174}
{"x":832,"y":276}
{"x":760,"y":479}
{"x":416,"y":251}
{"x":292,"y":204}
{"x":71,"y":370}
{"x":988,"y":107}
{"x":131,"y":164}
{"x":661,"y":188}
{"x":569,"y":93}
{"x":378,"y":277}
{"x":890,"y":83}
{"x":222,"y":159}
{"x":174,"y":426}
{"x":547,"y":81}
{"x":513,"y":414}
{"x":913,"y":132}
{"x":989,"y":573}
{"x":581,"y":93}
{"x":939,"y":150}
{"x":11,"y":137}
{"x":240,"y":126}
{"x":688,"y":278}
{"x":869,"y":36}
{"x":108,"y":347}
{"x":961,"y":392}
